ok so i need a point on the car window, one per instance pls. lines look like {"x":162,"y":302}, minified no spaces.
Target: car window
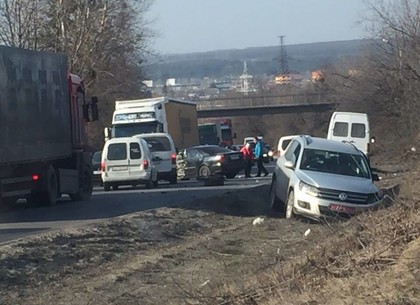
{"x":117,"y":151}
{"x":295,"y":155}
{"x":194,"y":154}
{"x":334,"y":163}
{"x":214,"y":150}
{"x":358,"y":130}
{"x":135,"y":152}
{"x":158,"y":143}
{"x":341,"y":129}
{"x":96,"y":158}
{"x":285,"y":143}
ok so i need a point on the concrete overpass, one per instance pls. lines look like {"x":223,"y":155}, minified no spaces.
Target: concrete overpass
{"x":260,"y":105}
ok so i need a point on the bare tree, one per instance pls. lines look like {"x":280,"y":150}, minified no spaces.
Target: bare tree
{"x":387,"y":78}
{"x":22,"y":21}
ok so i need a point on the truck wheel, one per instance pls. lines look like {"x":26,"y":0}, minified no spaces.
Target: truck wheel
{"x":173,"y":179}
{"x":7,"y":203}
{"x":86,"y":186}
{"x":149,"y":184}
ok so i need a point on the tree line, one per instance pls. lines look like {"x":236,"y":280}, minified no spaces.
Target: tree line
{"x":107,"y":42}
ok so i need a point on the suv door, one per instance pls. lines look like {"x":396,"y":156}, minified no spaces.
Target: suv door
{"x":292,"y":154}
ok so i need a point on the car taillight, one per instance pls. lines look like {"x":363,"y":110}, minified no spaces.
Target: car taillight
{"x":35,"y":177}
{"x":103,"y":166}
{"x":145,"y":164}
{"x":173,"y":158}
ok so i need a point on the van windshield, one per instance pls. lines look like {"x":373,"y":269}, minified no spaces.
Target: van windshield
{"x":129,"y":130}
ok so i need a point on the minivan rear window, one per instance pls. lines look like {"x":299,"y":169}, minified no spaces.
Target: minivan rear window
{"x":117,"y":151}
{"x":341,"y":129}
{"x":358,"y":130}
{"x":158,"y":144}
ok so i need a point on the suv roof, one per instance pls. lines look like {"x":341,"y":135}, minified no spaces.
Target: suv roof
{"x":326,"y":144}
{"x":153,"y":135}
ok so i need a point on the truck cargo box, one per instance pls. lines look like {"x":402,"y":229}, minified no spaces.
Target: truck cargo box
{"x":34,"y":106}
{"x":182,"y":123}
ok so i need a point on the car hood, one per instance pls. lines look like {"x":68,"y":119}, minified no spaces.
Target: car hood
{"x":337,"y":182}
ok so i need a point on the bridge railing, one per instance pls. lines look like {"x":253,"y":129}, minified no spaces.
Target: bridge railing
{"x":261,"y":101}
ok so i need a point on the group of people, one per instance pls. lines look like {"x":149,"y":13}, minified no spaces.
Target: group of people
{"x":251,"y":155}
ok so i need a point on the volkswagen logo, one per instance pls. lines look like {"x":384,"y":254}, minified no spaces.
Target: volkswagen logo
{"x":342,"y":196}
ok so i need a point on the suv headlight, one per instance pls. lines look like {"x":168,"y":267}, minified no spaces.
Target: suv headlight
{"x":308,"y":189}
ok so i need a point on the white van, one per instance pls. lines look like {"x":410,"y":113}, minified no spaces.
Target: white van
{"x":163,"y":152}
{"x":283,"y":143}
{"x":350,"y":127}
{"x":127,"y":161}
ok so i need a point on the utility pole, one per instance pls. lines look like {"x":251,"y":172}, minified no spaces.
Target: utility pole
{"x":283,"y":61}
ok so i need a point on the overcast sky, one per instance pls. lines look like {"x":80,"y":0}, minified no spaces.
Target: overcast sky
{"x":204,"y":25}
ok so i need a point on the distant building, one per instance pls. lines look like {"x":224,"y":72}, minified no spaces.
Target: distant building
{"x":148,"y":83}
{"x":170,"y":82}
{"x":317,"y":76}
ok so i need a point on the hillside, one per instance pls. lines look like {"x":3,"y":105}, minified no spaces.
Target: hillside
{"x":260,"y":60}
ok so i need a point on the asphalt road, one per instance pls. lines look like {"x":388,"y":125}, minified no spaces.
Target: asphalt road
{"x":23,"y":220}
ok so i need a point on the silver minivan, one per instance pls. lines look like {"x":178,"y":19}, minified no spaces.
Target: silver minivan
{"x":163,"y":152}
{"x":127,"y":161}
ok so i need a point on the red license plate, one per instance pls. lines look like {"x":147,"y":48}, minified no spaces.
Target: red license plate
{"x":341,"y":208}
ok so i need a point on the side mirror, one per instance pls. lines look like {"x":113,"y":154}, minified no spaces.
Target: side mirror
{"x":95,"y":111}
{"x":375,"y":177}
{"x":106,"y":133}
{"x":289,"y":164}
{"x":372,"y":140}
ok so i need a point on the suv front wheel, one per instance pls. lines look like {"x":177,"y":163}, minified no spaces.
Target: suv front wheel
{"x":289,"y":206}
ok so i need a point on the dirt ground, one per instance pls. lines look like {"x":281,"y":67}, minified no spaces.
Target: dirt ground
{"x":156,"y":257}
{"x":208,"y":252}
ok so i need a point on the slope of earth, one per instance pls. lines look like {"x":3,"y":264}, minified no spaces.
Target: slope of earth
{"x":164,"y":256}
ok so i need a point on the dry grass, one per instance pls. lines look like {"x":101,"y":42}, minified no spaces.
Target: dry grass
{"x":372,"y":259}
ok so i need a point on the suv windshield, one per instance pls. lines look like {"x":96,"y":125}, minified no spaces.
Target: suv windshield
{"x":334,"y":163}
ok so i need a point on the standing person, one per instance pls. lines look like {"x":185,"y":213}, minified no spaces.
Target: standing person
{"x":246,"y":151}
{"x":258,"y":152}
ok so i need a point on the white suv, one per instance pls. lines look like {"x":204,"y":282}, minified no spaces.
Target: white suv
{"x":163,"y":152}
{"x":319,"y":177}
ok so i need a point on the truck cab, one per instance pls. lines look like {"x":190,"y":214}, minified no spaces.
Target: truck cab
{"x":137,"y":117}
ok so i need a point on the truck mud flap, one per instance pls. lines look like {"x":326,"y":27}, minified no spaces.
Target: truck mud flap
{"x":69,"y":181}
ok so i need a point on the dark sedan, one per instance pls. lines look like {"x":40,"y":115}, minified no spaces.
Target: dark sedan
{"x":206,"y":161}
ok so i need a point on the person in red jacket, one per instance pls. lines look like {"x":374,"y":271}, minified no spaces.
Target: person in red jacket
{"x":248,"y":154}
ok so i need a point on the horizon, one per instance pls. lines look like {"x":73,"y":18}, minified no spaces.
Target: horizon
{"x":196,"y":26}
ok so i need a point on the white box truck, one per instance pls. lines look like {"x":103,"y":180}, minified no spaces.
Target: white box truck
{"x":155,"y":115}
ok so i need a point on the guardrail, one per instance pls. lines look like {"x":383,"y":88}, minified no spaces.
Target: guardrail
{"x":261,"y":101}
